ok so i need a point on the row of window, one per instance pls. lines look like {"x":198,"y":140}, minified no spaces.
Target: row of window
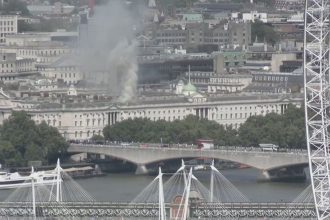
{"x":88,"y":133}
{"x":91,"y":122}
{"x":6,"y":29}
{"x":6,"y":23}
{"x":42,"y":53}
{"x":66,"y":75}
{"x":225,"y":80}
{"x":271,"y":78}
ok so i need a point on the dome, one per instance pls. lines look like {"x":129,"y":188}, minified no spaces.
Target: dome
{"x":189,"y":88}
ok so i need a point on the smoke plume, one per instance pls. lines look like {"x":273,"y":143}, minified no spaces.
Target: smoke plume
{"x":109,"y":49}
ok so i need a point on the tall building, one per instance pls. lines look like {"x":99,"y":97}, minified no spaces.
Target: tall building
{"x":8,"y":25}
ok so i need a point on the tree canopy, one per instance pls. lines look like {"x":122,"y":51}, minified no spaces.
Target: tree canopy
{"x":286,"y":130}
{"x":264,"y":32}
{"x":22,"y":140}
{"x":184,"y":131}
{"x":15,"y":6}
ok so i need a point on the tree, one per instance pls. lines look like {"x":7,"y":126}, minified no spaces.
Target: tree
{"x":30,"y":141}
{"x":15,"y":6}
{"x":8,"y":155}
{"x":33,"y":152}
{"x":20,"y":131}
{"x":178,"y":131}
{"x":54,"y":145}
{"x":264,"y":32}
{"x":287,"y":130}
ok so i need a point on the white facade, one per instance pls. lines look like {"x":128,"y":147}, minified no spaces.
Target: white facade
{"x":228,"y":83}
{"x":25,"y":38}
{"x":41,"y":52}
{"x":8,"y":25}
{"x":68,"y":74}
{"x":82,"y":123}
{"x":254,"y":16}
{"x":9,"y":63}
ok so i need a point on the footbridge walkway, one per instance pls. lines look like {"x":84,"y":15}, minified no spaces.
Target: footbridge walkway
{"x":141,"y":155}
{"x":67,"y":210}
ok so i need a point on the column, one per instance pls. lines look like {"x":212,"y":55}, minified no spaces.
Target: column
{"x":141,"y":169}
{"x":109,"y":118}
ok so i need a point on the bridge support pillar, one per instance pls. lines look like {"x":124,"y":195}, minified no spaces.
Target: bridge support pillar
{"x":141,"y":169}
{"x":285,"y":174}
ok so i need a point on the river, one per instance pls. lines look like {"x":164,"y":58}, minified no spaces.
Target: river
{"x":124,"y":187}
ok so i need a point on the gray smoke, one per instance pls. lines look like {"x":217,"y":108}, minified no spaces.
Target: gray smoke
{"x":123,"y":64}
{"x":109,"y":51}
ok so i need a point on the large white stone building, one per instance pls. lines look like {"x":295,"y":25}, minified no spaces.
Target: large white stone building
{"x":8,"y":25}
{"x":83,"y":120}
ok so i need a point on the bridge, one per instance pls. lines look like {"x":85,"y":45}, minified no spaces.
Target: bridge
{"x":269,"y":162}
{"x":70,"y":210}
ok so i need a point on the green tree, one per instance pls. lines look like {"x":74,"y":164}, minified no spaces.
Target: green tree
{"x":178,"y":131}
{"x":20,"y":131}
{"x":287,"y":130}
{"x":264,"y":32}
{"x":54,"y":145}
{"x":15,"y":6}
{"x":31,"y":141}
{"x":8,"y":154}
{"x":34,"y":152}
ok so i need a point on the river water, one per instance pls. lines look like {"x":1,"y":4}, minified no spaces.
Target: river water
{"x":124,"y":187}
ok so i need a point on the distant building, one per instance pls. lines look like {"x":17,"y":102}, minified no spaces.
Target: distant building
{"x":191,"y":18}
{"x":11,"y":66}
{"x":289,"y":4}
{"x":191,"y":35}
{"x":276,"y":82}
{"x":254,"y":16}
{"x":229,"y":83}
{"x":56,"y":9}
{"x":65,"y":69}
{"x":26,"y":38}
{"x":8,"y":25}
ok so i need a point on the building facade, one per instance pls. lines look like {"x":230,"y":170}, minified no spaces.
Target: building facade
{"x":82,"y":121}
{"x":192,"y":35}
{"x":8,"y":25}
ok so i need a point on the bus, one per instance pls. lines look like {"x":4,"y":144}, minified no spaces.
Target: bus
{"x":205,"y":144}
{"x":268,"y":147}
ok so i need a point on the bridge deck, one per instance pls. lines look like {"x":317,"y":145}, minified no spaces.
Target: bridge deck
{"x":141,"y":154}
{"x":197,"y":210}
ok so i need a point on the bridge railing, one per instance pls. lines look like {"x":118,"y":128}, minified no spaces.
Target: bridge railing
{"x":187,"y":147}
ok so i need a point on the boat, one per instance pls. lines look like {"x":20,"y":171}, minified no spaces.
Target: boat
{"x":15,"y":180}
{"x":83,"y":172}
